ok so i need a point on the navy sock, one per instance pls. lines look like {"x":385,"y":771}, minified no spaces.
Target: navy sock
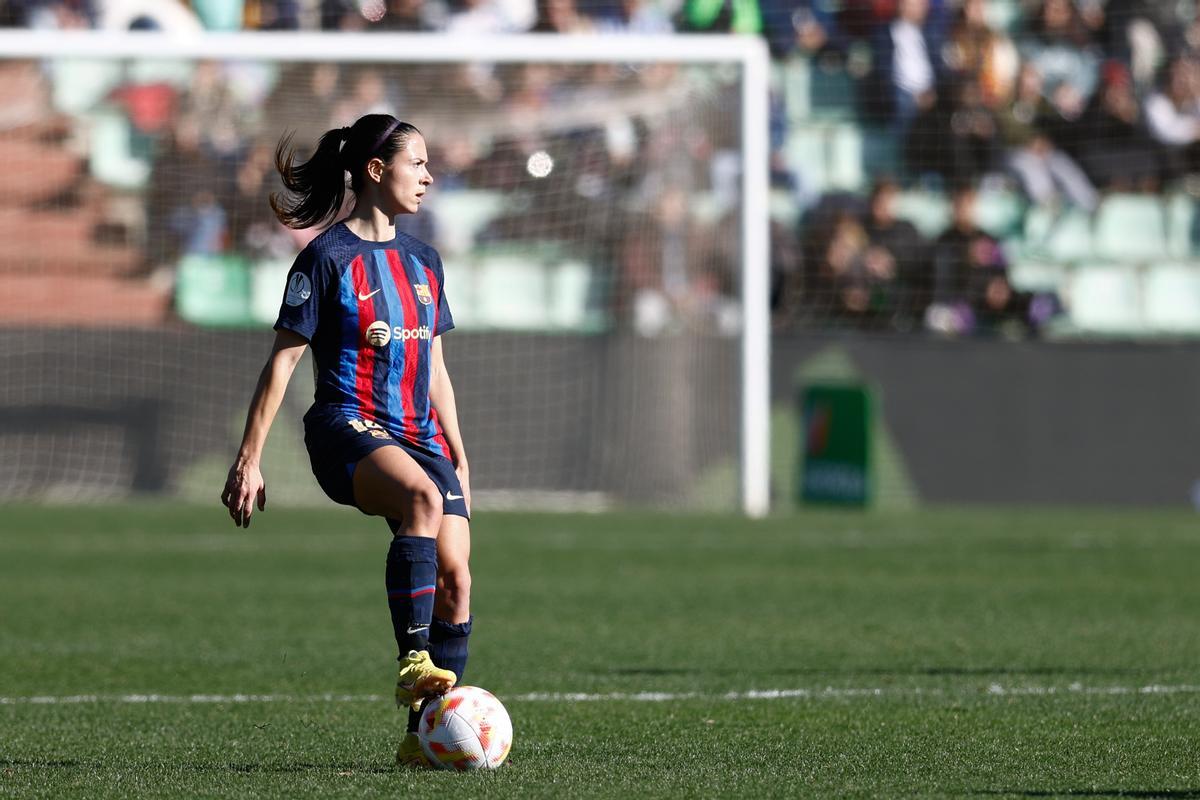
{"x":411,"y":582}
{"x":447,"y":649}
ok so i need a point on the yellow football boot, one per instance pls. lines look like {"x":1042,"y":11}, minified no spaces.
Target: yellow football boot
{"x":419,"y":678}
{"x":410,"y":753}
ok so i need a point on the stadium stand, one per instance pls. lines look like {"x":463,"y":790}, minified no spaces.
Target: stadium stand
{"x":1079,"y":122}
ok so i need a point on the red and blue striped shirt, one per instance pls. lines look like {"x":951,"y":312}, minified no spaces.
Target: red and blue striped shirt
{"x":370,"y":311}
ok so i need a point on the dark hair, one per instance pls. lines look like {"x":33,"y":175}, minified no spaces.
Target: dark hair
{"x":316,"y":188}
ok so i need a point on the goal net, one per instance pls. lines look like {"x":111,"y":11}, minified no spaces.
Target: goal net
{"x":599,"y":207}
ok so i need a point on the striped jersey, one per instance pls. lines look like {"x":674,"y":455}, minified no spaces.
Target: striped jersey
{"x":370,"y":311}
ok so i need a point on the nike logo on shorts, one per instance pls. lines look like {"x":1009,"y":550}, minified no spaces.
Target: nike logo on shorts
{"x":453,"y":496}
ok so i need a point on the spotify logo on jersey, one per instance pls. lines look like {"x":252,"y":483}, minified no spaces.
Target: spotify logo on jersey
{"x":379,"y":333}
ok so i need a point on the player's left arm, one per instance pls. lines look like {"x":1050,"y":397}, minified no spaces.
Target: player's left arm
{"x":441,"y":396}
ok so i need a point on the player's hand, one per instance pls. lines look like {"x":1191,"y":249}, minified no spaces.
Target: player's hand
{"x":243,"y":487}
{"x":464,"y":477}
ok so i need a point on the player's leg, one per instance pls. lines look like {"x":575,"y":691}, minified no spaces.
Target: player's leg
{"x":451,"y":626}
{"x":452,"y":603}
{"x":389,"y":483}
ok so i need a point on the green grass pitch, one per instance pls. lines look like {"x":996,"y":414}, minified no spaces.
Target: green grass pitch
{"x":917,"y":654}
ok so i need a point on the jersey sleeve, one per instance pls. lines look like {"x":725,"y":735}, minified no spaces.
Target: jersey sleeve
{"x":445,"y":320}
{"x":308,"y":282}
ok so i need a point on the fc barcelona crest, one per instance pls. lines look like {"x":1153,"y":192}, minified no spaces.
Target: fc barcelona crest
{"x":423,"y":293}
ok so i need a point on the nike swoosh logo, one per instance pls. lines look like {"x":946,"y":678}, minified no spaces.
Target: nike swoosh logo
{"x":451,"y":496}
{"x":363,"y":297}
{"x":417,"y":629}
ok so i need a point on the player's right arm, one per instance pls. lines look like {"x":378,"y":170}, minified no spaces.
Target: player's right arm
{"x":245,"y":483}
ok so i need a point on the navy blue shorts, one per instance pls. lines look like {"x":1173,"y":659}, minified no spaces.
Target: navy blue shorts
{"x":336,"y":443}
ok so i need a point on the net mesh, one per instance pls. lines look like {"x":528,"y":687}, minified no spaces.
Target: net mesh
{"x":586,"y":216}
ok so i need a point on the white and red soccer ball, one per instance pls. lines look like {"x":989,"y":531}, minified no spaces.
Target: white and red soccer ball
{"x":467,"y":728}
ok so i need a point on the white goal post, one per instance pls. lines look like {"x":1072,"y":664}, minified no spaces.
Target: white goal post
{"x":748,"y":54}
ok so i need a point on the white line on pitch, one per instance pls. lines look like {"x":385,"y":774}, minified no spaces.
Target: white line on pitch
{"x":633,"y":697}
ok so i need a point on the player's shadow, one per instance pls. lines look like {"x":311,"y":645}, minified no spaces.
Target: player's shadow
{"x":1166,"y":794}
{"x":933,"y":671}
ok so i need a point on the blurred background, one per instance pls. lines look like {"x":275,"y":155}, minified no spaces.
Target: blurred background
{"x":983,"y":249}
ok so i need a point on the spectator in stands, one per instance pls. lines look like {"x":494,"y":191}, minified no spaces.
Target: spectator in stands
{"x":905,"y":80}
{"x":182,"y":168}
{"x":1141,"y":33}
{"x":410,"y":16}
{"x":958,"y":139}
{"x":635,"y":16}
{"x":904,"y":244}
{"x":974,"y":49}
{"x":561,"y":16}
{"x":484,"y":17}
{"x":858,"y":279}
{"x":55,"y":14}
{"x":273,"y":15}
{"x":1059,"y":44}
{"x":772,"y":19}
{"x":369,"y":93}
{"x":971,"y":288}
{"x":816,"y":28}
{"x":1111,"y":141}
{"x":304,"y":101}
{"x":1173,"y":116}
{"x":1045,"y":172}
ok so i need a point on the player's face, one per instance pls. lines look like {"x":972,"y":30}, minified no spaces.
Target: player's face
{"x":407,"y":177}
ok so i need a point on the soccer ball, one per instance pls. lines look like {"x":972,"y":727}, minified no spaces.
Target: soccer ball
{"x":467,"y":728}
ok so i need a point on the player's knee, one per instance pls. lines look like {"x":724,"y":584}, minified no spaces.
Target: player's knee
{"x":426,"y":513}
{"x":456,"y":586}
{"x":454,"y":594}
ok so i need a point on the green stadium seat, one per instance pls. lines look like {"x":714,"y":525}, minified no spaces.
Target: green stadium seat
{"x":1037,"y":276}
{"x":460,"y":290}
{"x":111,"y":159}
{"x":219,"y":15}
{"x":268,"y":279}
{"x":805,"y":153}
{"x":512,"y":292}
{"x":82,"y":84}
{"x":844,"y":145}
{"x":463,"y":213}
{"x":929,"y":212}
{"x":1181,"y":218}
{"x":214,"y":290}
{"x":794,"y":77}
{"x":1171,"y":294}
{"x":1105,"y":299}
{"x":999,"y":212}
{"x":1131,"y":228}
{"x":881,"y":152}
{"x":833,"y":94}
{"x":784,"y":208}
{"x":1058,"y":236}
{"x":828,"y":156}
{"x":1003,"y":15}
{"x":570,"y":288}
{"x":162,"y":70}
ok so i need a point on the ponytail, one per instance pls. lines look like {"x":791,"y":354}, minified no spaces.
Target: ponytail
{"x":316,"y":188}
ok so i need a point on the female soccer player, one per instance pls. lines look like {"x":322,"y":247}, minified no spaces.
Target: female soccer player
{"x":383,"y":433}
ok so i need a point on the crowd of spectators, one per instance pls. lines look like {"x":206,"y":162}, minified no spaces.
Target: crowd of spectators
{"x":1064,"y":101}
{"x":771,"y":18}
{"x":1061,"y":100}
